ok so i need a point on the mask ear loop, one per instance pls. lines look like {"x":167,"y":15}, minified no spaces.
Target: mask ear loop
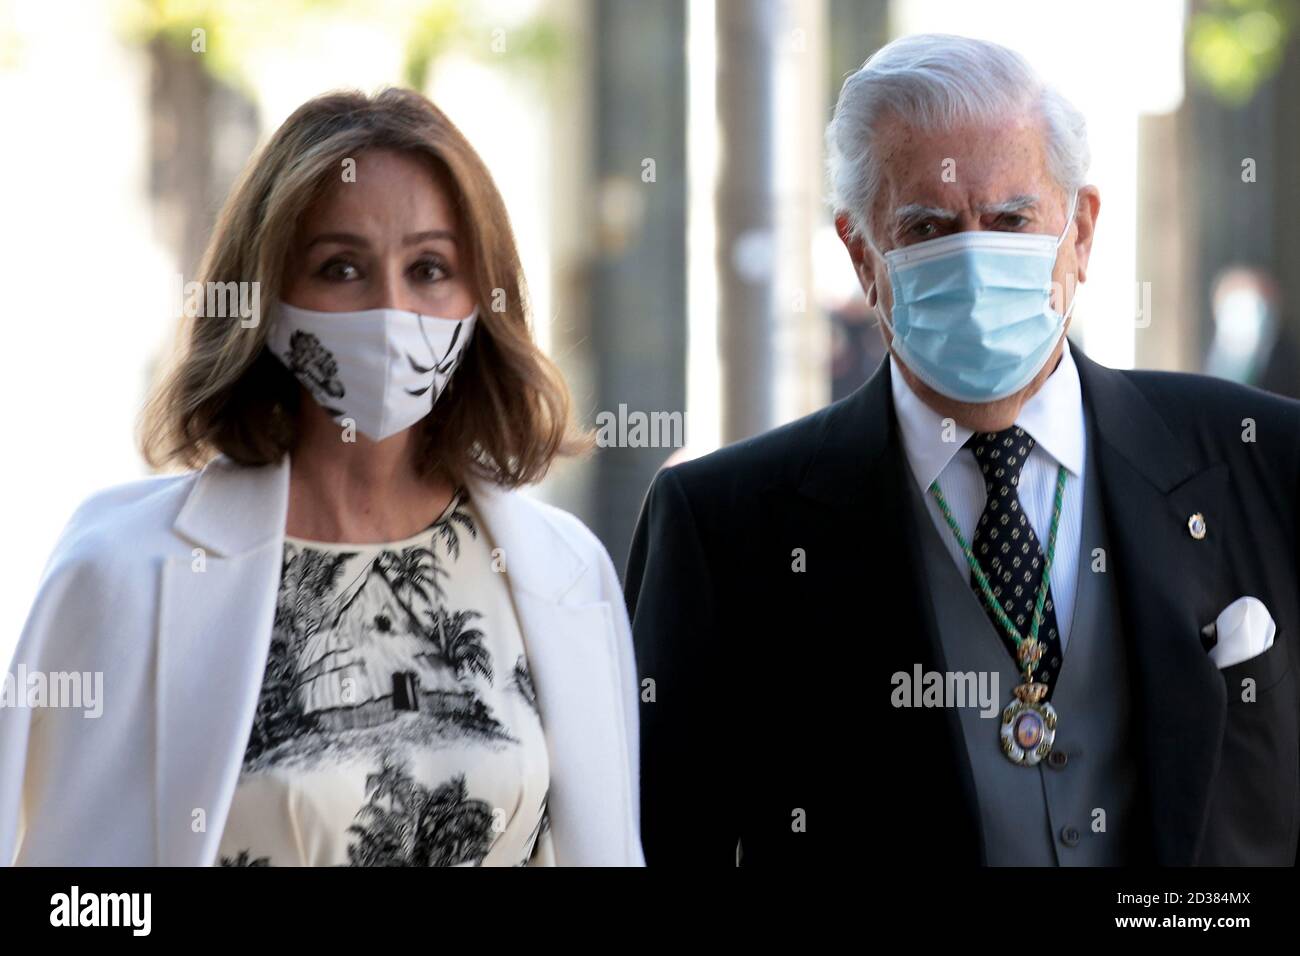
{"x":1069,"y":221}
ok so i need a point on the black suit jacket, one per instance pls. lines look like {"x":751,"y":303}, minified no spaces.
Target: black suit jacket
{"x":771,"y":695}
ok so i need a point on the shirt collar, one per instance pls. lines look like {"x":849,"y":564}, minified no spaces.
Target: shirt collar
{"x":1053,"y":416}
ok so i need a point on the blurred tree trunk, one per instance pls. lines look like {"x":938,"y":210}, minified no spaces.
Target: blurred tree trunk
{"x":746,"y":214}
{"x":201,"y":134}
{"x":638,"y":278}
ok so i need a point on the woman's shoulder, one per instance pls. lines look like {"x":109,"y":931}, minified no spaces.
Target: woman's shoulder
{"x":571,"y":527}
{"x":121,"y":525}
{"x":561,"y":545}
{"x":565,"y":524}
{"x":99,"y":568}
{"x":130,"y":507}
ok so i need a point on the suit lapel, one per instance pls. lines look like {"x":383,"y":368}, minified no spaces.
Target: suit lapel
{"x":1166,"y":581}
{"x":571,"y":660}
{"x":217,"y":608}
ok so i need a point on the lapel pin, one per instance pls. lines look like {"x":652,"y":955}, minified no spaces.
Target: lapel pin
{"x":1196,"y":526}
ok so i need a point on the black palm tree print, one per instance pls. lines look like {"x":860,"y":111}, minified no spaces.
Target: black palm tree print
{"x":441,"y":366}
{"x":458,"y":517}
{"x":405,"y":824}
{"x":412,"y":570}
{"x":308,"y":577}
{"x":522,"y":680}
{"x":417,"y":570}
{"x":457,"y":644}
{"x":243,"y":859}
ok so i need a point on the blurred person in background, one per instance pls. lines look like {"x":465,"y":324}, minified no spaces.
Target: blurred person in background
{"x":856,"y":347}
{"x":1001,"y":605}
{"x":1252,"y":343}
{"x":346,"y":637}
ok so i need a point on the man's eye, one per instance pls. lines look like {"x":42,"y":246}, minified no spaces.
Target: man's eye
{"x":923,"y":230}
{"x":1013,"y":221}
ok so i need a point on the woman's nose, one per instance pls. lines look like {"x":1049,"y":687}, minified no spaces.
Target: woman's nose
{"x":389,"y":291}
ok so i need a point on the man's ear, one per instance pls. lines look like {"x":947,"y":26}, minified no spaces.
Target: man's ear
{"x":863,"y":265}
{"x":1086,"y":221}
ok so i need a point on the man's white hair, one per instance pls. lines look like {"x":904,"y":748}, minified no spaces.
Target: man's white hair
{"x":936,"y":81}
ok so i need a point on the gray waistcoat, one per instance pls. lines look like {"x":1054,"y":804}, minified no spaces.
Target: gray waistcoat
{"x":1050,"y":814}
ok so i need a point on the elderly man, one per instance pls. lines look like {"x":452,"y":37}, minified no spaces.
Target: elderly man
{"x":819,"y":611}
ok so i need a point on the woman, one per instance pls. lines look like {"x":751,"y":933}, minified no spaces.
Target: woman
{"x":345,"y":638}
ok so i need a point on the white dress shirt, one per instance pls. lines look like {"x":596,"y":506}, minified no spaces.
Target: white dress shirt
{"x":1054,"y":418}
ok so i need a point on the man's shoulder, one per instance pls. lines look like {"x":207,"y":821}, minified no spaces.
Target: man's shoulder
{"x":1202,"y":403}
{"x":1210,"y":421}
{"x":1206,"y":392}
{"x":777,"y":458}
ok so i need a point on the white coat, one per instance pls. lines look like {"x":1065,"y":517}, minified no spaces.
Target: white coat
{"x":182,"y":652}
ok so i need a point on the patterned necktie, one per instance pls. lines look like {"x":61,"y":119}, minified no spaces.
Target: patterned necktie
{"x":1007,"y":548}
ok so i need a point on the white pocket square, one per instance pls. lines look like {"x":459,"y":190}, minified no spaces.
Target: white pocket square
{"x":1244,"y":629}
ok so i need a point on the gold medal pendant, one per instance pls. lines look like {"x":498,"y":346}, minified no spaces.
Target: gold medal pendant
{"x":1028,"y":725}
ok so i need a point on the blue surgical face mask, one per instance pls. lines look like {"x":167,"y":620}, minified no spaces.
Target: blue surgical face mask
{"x":972,"y":314}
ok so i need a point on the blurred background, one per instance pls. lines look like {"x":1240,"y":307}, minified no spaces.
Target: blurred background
{"x":662,"y":162}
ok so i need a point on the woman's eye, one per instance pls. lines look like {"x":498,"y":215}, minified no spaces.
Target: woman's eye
{"x":339,"y":270}
{"x":429,"y":270}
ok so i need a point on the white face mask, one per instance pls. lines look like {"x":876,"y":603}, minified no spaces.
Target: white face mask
{"x":381,"y":368}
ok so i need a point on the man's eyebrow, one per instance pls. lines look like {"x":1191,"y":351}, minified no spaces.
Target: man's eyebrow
{"x":1014,"y":204}
{"x":913,"y":212}
{"x":352,"y":239}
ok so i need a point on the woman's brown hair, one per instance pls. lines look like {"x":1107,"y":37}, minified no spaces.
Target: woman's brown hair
{"x":506,"y":414}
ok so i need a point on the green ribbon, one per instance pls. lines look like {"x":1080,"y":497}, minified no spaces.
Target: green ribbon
{"x":982,"y":579}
